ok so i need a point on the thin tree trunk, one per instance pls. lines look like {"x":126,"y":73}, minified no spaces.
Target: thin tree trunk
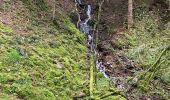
{"x":78,"y":15}
{"x":130,"y":13}
{"x":91,"y":77}
{"x":97,"y":33}
{"x":54,"y":10}
{"x":169,"y":5}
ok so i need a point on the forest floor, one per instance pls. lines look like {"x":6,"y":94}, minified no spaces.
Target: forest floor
{"x":40,"y":58}
{"x":129,"y":54}
{"x":47,"y":60}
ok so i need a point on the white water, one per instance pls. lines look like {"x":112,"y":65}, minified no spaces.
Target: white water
{"x":100,"y":65}
{"x":78,"y":1}
{"x":85,"y":28}
{"x":88,"y":13}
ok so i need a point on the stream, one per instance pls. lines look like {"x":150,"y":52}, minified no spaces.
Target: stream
{"x":117,"y":77}
{"x":87,"y":29}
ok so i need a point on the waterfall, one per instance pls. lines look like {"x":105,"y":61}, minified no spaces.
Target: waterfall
{"x":88,"y":13}
{"x":78,"y":1}
{"x":85,"y":28}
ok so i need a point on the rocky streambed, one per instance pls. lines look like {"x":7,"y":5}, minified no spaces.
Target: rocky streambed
{"x":115,"y":67}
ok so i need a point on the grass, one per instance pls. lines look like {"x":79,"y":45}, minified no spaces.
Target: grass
{"x":143,"y":44}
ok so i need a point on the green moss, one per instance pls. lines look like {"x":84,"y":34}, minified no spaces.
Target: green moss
{"x":145,"y":43}
{"x":29,"y":92}
{"x":54,"y":64}
{"x":13,"y":56}
{"x":5,"y":78}
{"x":35,"y":5}
{"x":72,"y":27}
{"x":46,"y":72}
{"x":3,"y":39}
{"x":119,"y":97}
{"x":4,"y":96}
{"x":4,"y":29}
{"x":166,"y":76}
{"x":32,"y":93}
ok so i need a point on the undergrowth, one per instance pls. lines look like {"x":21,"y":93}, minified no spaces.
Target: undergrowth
{"x":5,"y":29}
{"x":48,"y":61}
{"x":47,"y":64}
{"x":143,"y":44}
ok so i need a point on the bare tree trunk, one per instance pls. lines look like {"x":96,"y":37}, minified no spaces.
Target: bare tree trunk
{"x":169,"y":5}
{"x":78,"y":15}
{"x":54,"y":9}
{"x":130,"y":13}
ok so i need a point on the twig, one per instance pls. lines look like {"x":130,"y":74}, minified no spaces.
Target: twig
{"x":78,"y":15}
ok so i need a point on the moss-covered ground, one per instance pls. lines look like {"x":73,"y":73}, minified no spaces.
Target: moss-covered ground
{"x":45,"y":59}
{"x":48,"y":63}
{"x":41,"y":58}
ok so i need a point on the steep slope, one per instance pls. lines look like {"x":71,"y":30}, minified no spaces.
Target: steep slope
{"x":40,"y":59}
{"x":143,"y":50}
{"x":43,"y":56}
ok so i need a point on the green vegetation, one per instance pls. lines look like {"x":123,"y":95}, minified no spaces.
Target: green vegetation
{"x":46,"y":58}
{"x":4,"y":29}
{"x":143,"y":44}
{"x":46,"y":64}
{"x":62,"y":58}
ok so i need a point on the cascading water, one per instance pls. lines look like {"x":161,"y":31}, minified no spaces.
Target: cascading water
{"x":101,"y":65}
{"x":78,"y":1}
{"x":86,"y":28}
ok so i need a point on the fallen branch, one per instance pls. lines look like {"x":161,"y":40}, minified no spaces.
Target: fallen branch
{"x":144,"y":78}
{"x":112,"y":94}
{"x":150,"y":73}
{"x":156,"y":65}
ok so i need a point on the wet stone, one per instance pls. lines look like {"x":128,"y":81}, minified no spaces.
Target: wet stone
{"x":22,"y":52}
{"x":53,"y":44}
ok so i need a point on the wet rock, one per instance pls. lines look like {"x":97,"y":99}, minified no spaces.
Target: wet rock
{"x":20,"y":40}
{"x":34,"y":38}
{"x":22,"y":52}
{"x":53,"y":44}
{"x":60,"y":66}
